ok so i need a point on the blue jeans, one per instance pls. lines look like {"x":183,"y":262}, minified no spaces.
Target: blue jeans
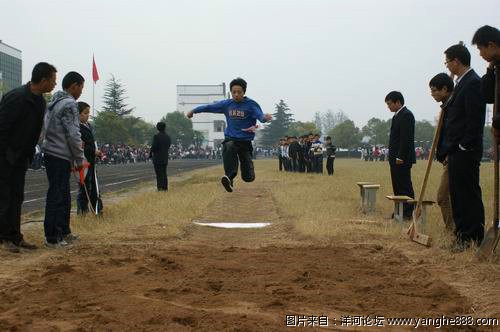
{"x":58,"y":203}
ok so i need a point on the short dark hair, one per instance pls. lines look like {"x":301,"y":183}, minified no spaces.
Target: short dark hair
{"x":240,"y":82}
{"x":42,"y":70}
{"x":161,"y":126}
{"x":485,"y":35}
{"x":82,"y":106}
{"x":395,"y":96}
{"x":459,"y":52}
{"x":440,"y":81}
{"x":71,"y":78}
{"x":328,"y":138}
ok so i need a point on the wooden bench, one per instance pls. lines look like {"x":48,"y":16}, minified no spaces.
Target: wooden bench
{"x":368,"y":192}
{"x":398,"y":206}
{"x":425,"y":204}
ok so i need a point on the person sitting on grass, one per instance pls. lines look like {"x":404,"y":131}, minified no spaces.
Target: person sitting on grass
{"x":241,"y":114}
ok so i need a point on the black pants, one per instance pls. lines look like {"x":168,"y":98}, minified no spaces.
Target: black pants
{"x":402,"y":186}
{"x":295,"y":165}
{"x":58,"y":203}
{"x":329,"y":165}
{"x":465,"y":195}
{"x":302,"y":165}
{"x":309,"y":168}
{"x":11,"y":200}
{"x":280,"y":161}
{"x":161,"y":177}
{"x":317,"y":164}
{"x":82,"y":201}
{"x":234,"y":152}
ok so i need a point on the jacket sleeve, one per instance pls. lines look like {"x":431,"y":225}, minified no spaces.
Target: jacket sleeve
{"x":70,"y":122}
{"x":154,"y":145}
{"x":257,"y":111}
{"x":488,"y":86}
{"x":407,"y":129}
{"x":9,"y":114}
{"x":474,"y":112}
{"x":217,"y":107}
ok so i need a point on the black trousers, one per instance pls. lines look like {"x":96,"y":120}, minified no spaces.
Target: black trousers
{"x":302,"y":165}
{"x":58,"y":202}
{"x":161,"y":177}
{"x":238,"y":152}
{"x":465,"y":195}
{"x":82,"y":201}
{"x":11,"y":200}
{"x":280,"y":161}
{"x":329,"y":165}
{"x":317,"y":164}
{"x":402,"y":186}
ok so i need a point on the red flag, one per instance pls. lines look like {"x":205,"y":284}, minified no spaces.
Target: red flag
{"x":95,"y":74}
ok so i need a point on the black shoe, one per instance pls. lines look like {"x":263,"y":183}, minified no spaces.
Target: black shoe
{"x":227,"y":183}
{"x":25,"y":245}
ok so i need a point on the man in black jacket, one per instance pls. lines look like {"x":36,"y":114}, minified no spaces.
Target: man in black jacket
{"x":21,"y":118}
{"x":159,"y":153}
{"x":401,"y":148}
{"x":464,"y":144}
{"x":487,"y":40}
{"x":293,"y":152}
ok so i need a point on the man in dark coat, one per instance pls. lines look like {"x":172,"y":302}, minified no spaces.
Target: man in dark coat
{"x":401,"y":148}
{"x":487,"y":40}
{"x":159,"y":153}
{"x":21,"y":119}
{"x":464,"y":142}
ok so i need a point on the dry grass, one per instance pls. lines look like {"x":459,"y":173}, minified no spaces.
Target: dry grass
{"x":145,"y":208}
{"x":327,"y":208}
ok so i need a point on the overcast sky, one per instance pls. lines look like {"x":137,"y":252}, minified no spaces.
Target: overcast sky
{"x":315,"y":54}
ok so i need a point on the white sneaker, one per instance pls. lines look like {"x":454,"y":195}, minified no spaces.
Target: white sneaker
{"x":60,"y":244}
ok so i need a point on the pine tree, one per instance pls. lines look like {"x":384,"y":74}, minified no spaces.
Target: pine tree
{"x":114,"y":98}
{"x":282,"y":119}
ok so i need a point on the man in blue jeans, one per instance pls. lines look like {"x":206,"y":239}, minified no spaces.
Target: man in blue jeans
{"x":63,"y":149}
{"x":241,"y":114}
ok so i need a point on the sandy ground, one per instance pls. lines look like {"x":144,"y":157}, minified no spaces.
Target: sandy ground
{"x":228,"y":279}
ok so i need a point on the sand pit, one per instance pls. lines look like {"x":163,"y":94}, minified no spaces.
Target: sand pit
{"x":214,"y":279}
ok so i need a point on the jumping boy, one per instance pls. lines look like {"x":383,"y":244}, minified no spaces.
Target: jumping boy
{"x":241,"y":114}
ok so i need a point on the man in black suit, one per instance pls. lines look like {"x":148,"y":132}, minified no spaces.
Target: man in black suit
{"x":464,"y":144}
{"x":159,"y":153}
{"x":21,"y":119}
{"x":487,"y":40}
{"x":401,"y":148}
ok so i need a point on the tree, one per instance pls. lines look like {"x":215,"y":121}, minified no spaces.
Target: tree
{"x":198,"y":138}
{"x":378,"y":130}
{"x":179,"y":128}
{"x":329,"y":119}
{"x":424,"y":133}
{"x":114,"y":98}
{"x":345,"y":135}
{"x":318,"y":121}
{"x":282,"y":119}
{"x":299,"y":128}
{"x":113,"y":129}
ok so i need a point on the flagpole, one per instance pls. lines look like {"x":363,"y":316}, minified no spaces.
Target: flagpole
{"x":93,"y":100}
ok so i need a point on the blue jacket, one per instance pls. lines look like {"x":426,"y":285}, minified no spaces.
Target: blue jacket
{"x":239,"y":115}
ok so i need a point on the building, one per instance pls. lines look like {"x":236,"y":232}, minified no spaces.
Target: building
{"x":212,"y":126}
{"x":10,"y":68}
